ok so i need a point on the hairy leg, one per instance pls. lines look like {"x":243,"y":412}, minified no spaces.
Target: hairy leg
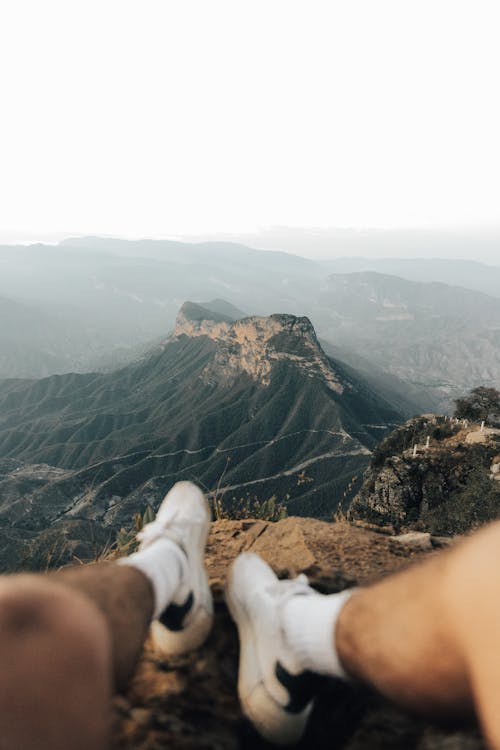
{"x":165,"y":579}
{"x":124,"y":597}
{"x":429,"y":637}
{"x":55,"y":684}
{"x":70,"y":638}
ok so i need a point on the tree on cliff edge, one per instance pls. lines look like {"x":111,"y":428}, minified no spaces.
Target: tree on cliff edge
{"x":481,"y":403}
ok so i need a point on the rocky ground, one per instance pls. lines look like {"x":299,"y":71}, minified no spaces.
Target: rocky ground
{"x":190,"y":702}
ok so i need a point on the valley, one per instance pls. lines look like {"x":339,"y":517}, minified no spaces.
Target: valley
{"x":251,"y":410}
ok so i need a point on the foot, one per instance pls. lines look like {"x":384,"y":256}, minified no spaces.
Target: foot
{"x":184,"y":518}
{"x":276,"y":693}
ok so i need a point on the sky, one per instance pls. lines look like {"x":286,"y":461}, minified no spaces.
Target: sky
{"x":161,"y":118}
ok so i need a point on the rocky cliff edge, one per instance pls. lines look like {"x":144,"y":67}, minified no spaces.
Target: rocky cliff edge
{"x":190,"y":702}
{"x":433,"y":474}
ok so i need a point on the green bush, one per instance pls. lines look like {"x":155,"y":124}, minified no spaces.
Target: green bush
{"x":467,"y":508}
{"x":442,"y":431}
{"x":482,"y":403}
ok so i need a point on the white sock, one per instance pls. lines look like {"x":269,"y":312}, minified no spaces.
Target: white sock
{"x":164,"y":565}
{"x":309,"y":625}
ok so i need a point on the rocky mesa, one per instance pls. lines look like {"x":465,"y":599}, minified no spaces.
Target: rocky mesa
{"x":254,"y":344}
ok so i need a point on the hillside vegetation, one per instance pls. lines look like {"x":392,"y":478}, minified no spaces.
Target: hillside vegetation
{"x":449,"y":487}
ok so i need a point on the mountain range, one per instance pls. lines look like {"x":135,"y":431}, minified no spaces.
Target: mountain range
{"x":95,"y":304}
{"x":249,"y":409}
{"x":439,"y":339}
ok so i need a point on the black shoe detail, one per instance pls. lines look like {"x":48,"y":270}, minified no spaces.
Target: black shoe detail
{"x":173,"y":616}
{"x":302,"y":688}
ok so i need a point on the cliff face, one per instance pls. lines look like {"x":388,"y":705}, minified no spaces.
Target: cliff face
{"x":253,"y":345}
{"x":191,"y":702}
{"x":449,"y":486}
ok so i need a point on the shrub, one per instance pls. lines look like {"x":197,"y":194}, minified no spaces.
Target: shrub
{"x":443,"y":431}
{"x":249,"y":507}
{"x":126,"y":541}
{"x":467,"y":508}
{"x":482,"y":403}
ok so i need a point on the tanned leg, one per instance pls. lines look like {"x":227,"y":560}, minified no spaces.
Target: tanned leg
{"x":70,"y":638}
{"x":67,"y":641}
{"x":124,"y":597}
{"x":429,"y":637}
{"x":55,"y":675}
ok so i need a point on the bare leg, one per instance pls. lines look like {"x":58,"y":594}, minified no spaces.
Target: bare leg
{"x":125,"y":597}
{"x":70,"y":638}
{"x":429,"y":637}
{"x":55,"y":671}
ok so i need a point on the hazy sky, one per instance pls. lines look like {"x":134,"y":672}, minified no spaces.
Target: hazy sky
{"x":165,"y":117}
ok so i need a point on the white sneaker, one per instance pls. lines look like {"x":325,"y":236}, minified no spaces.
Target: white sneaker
{"x":183,"y":517}
{"x":275,"y":691}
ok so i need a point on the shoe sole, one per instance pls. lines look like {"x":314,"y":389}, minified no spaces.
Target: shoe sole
{"x":268,"y":717}
{"x":172,"y":643}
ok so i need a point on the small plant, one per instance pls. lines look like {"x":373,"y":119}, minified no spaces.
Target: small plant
{"x":341,"y":516}
{"x":443,"y":431}
{"x":126,"y":539}
{"x":251,"y":507}
{"x":217,"y":503}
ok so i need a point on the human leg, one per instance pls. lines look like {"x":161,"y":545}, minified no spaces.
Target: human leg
{"x":428,"y":638}
{"x":434,"y":633}
{"x":165,"y":581}
{"x":55,"y":675}
{"x":68,"y":639}
{"x":124,"y":597}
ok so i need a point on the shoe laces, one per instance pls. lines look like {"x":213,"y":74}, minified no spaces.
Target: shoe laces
{"x":287,"y":588}
{"x":158,"y":529}
{"x":151,"y":532}
{"x":172,"y":529}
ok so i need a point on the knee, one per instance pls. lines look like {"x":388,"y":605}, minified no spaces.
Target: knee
{"x":55,"y":668}
{"x":31,"y":608}
{"x":26,"y":607}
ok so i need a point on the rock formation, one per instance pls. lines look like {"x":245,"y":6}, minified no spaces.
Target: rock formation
{"x":432,"y":474}
{"x":254,"y":344}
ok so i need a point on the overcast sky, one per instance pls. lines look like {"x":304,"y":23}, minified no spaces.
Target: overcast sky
{"x":170,"y":117}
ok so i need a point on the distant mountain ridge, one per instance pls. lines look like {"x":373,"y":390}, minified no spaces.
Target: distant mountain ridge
{"x":468,"y":274}
{"x":114,"y":297}
{"x":443,"y":340}
{"x":38,"y":339}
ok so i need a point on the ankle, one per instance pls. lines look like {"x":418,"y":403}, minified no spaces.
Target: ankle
{"x":309,"y":625}
{"x":165,"y":565}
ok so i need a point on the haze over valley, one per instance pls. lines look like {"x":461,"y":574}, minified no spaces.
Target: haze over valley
{"x":96,"y":303}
